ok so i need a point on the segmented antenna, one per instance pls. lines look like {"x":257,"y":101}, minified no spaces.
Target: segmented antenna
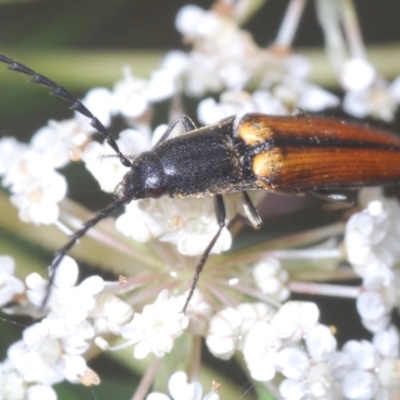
{"x":77,"y":105}
{"x":75,"y":237}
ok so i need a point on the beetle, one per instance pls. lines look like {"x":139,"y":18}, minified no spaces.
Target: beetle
{"x":285,"y":154}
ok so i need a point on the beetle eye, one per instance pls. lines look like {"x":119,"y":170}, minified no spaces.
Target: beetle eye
{"x":156,"y":193}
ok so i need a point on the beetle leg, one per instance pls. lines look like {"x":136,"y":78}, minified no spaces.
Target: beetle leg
{"x":337,"y":200}
{"x":188,"y":126}
{"x":251,"y":211}
{"x":220,"y":214}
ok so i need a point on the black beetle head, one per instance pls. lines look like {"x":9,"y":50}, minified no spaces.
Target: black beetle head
{"x":145,"y":179}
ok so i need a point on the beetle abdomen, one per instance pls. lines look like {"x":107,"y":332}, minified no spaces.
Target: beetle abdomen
{"x":299,"y":154}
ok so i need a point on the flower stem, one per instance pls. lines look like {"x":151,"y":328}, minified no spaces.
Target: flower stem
{"x":147,"y":380}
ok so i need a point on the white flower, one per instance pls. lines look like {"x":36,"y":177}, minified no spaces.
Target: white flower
{"x":110,"y":313}
{"x":61,"y":141}
{"x":40,"y":392}
{"x":238,"y":103}
{"x":359,"y":385}
{"x":13,"y":387}
{"x":374,"y":310}
{"x":293,"y":362}
{"x":100,"y":102}
{"x":311,"y":371}
{"x":9,"y":284}
{"x":357,"y":74}
{"x":37,"y":200}
{"x":139,"y":224}
{"x":181,"y":390}
{"x":48,"y":354}
{"x":367,"y":93}
{"x":157,"y":327}
{"x":372,"y":238}
{"x":271,"y":278}
{"x":189,"y":224}
{"x":68,"y":302}
{"x":294,"y":93}
{"x":260,"y":350}
{"x":363,"y":353}
{"x":320,"y":342}
{"x":387,"y":342}
{"x":294,"y":319}
{"x":252,"y":313}
{"x":11,"y":383}
{"x":225,"y":334}
{"x":229,"y":327}
{"x":377,"y":101}
{"x":199,"y":227}
{"x":36,"y":188}
{"x":188,"y":19}
{"x":162,"y":85}
{"x":131,"y":97}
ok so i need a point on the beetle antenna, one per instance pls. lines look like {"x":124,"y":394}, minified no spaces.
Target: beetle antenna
{"x":74,"y":238}
{"x":77,"y":105}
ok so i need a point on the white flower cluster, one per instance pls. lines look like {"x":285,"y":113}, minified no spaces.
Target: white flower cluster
{"x":53,"y":350}
{"x":372,"y":245}
{"x":31,"y":177}
{"x":225,"y":59}
{"x":291,"y":346}
{"x":368,"y":94}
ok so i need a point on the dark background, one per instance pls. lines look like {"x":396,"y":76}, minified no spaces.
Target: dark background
{"x":29,"y":29}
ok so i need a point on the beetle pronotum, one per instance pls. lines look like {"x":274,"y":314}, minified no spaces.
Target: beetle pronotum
{"x":290,"y":154}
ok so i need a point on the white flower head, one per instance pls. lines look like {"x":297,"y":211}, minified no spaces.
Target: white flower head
{"x":320,"y":342}
{"x":189,"y":223}
{"x":387,"y":342}
{"x":224,"y":334}
{"x":377,"y":101}
{"x":181,"y":389}
{"x":61,"y":141}
{"x":156,"y":328}
{"x":260,"y":347}
{"x":363,"y":353}
{"x":294,"y":319}
{"x":133,"y":96}
{"x":357,"y":74}
{"x":229,"y":327}
{"x":69,"y":302}
{"x":110,"y":313}
{"x":271,"y":278}
{"x":374,"y":310}
{"x":238,"y":103}
{"x":359,"y":385}
{"x":38,"y":198}
{"x":372,"y":237}
{"x":36,"y":188}
{"x":310,"y":371}
{"x":48,"y":353}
